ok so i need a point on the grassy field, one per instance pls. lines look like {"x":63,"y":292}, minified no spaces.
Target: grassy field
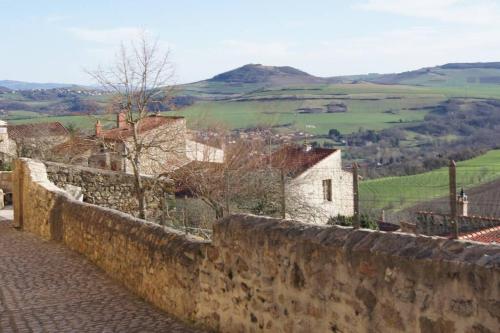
{"x":401,"y":192}
{"x":83,"y":122}
{"x":367,"y":114}
{"x":370,"y":106}
{"x":365,"y":110}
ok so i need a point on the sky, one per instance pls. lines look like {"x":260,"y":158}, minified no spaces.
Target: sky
{"x":57,"y":40}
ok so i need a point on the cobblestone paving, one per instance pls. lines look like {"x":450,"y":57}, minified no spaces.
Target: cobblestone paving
{"x":45,"y":287}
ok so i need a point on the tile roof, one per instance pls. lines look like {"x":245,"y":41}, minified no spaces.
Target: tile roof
{"x":296,"y":159}
{"x":490,"y":235}
{"x":36,"y":130}
{"x":146,"y":124}
{"x":76,"y":146}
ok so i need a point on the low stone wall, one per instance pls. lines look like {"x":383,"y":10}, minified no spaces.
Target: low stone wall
{"x":159,"y":264}
{"x":270,"y":275}
{"x":434,"y":224}
{"x":111,"y":189}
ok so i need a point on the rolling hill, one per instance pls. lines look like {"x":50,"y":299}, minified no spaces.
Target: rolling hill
{"x":274,"y":75}
{"x":293,"y":100}
{"x":407,"y":191}
{"x":247,"y":79}
{"x":21,"y":85}
{"x":452,"y":74}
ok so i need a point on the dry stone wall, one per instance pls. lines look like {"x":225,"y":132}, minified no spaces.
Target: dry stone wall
{"x":111,"y":189}
{"x":270,"y":275}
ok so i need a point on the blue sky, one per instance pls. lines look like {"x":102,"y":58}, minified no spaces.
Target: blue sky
{"x":55,"y":40}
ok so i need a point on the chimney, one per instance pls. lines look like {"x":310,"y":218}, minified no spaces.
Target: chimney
{"x":462,"y":204}
{"x":121,"y":120}
{"x":98,"y":128}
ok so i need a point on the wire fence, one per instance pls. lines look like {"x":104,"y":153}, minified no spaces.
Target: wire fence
{"x":333,"y":195}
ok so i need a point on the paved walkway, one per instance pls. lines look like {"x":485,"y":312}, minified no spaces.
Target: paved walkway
{"x":45,"y":287}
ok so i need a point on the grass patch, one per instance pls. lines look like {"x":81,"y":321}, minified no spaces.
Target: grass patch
{"x":402,"y":192}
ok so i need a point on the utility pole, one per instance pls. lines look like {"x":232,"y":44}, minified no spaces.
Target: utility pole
{"x":283,"y":194}
{"x":226,"y":191}
{"x":453,"y":197}
{"x":355,"y":189}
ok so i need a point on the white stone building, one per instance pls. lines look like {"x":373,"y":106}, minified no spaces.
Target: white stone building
{"x":317,"y":187}
{"x":166,"y":146}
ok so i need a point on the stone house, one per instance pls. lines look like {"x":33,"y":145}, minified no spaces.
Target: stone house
{"x":30,"y":140}
{"x":317,"y":187}
{"x":167,"y":146}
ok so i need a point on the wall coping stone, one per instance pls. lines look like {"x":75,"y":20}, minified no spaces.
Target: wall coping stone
{"x":395,"y":244}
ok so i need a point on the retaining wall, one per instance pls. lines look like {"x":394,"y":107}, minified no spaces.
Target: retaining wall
{"x":270,"y":275}
{"x":111,"y":189}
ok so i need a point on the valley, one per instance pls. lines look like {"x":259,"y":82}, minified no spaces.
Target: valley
{"x":392,"y":124}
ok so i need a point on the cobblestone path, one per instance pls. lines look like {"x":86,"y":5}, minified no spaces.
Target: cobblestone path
{"x":45,"y":287}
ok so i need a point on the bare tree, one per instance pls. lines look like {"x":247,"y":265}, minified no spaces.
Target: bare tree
{"x":216,"y":184}
{"x":249,"y":180}
{"x":140,"y":79}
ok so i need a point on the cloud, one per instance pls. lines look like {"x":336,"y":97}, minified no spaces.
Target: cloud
{"x":482,"y":12}
{"x":106,"y":36}
{"x":382,"y":52}
{"x":407,"y":49}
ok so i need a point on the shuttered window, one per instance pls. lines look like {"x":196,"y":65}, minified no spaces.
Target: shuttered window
{"x":327,"y":189}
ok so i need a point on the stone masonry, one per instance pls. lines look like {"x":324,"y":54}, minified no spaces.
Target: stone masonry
{"x":110,"y":188}
{"x":269,"y":275}
{"x":45,"y":287}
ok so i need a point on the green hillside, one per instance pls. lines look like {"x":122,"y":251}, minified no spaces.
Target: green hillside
{"x":406,"y":191}
{"x":290,"y":99}
{"x":368,"y":110}
{"x":465,"y":75}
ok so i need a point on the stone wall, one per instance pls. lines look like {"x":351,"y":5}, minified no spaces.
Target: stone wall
{"x":434,"y":224}
{"x":111,"y":189}
{"x":269,"y":275}
{"x":159,"y":264}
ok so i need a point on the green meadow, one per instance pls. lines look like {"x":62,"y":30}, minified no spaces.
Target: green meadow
{"x":370,"y":106}
{"x":406,"y":191}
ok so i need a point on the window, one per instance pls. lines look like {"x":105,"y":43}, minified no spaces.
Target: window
{"x":327,"y":190}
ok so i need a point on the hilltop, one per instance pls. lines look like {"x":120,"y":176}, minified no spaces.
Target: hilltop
{"x":256,"y":73}
{"x":21,"y":85}
{"x":451,"y":74}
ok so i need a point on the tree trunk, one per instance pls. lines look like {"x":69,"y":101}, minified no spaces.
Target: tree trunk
{"x":139,"y":186}
{"x":219,"y":212}
{"x":141,"y":197}
{"x":218,"y":208}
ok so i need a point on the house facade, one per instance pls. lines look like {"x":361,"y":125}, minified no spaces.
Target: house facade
{"x":317,"y":188}
{"x":165,"y":146}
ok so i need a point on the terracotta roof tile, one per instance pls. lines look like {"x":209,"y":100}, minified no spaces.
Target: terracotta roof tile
{"x":76,"y":146}
{"x":36,"y":130}
{"x":146,"y":124}
{"x":490,"y":235}
{"x":296,"y":159}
